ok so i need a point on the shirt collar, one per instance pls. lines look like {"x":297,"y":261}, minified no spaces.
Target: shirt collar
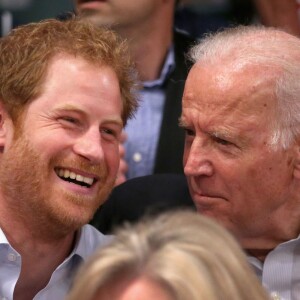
{"x":167,"y":68}
{"x":3,"y":239}
{"x":87,"y":240}
{"x":288,"y":245}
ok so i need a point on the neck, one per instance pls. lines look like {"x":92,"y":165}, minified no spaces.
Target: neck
{"x":149,"y":44}
{"x":29,"y":235}
{"x":149,"y":57}
{"x":261,"y":246}
{"x":41,"y":250}
{"x":260,"y":254}
{"x":35,"y":276}
{"x":267,"y":232}
{"x":41,"y":253}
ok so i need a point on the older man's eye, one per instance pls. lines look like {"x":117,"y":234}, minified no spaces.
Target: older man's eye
{"x":222,"y":141}
{"x":189,"y":132}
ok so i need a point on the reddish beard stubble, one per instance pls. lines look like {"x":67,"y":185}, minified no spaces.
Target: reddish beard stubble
{"x":49,"y":212}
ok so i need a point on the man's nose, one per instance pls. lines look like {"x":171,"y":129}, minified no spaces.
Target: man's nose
{"x":197,"y":159}
{"x":89,"y":146}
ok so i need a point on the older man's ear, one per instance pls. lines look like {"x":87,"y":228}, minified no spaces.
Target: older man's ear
{"x":296,"y":172}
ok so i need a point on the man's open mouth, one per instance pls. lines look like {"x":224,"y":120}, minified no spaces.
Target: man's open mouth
{"x":78,"y":179}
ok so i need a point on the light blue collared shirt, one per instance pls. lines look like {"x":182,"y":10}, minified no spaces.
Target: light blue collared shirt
{"x":280,"y":272}
{"x":88,"y":240}
{"x":144,"y":129}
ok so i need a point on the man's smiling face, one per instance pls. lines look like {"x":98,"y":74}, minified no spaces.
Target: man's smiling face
{"x":62,"y":162}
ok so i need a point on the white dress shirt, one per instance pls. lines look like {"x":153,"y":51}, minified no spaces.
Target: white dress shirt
{"x":280,"y":272}
{"x":88,"y":239}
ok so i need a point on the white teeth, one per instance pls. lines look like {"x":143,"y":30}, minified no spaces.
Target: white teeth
{"x":72,"y":175}
{"x":79,"y":178}
{"x":67,"y":174}
{"x":88,"y":180}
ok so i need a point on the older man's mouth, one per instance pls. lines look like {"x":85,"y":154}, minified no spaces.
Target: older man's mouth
{"x":86,"y":1}
{"x":82,"y":2}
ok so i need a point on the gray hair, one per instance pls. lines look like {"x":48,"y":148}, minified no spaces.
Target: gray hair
{"x":187,"y":254}
{"x":267,"y":48}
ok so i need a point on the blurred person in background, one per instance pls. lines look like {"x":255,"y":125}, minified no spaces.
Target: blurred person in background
{"x":282,"y":14}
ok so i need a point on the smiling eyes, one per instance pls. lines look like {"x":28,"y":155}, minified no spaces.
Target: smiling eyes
{"x":70,"y":120}
{"x":109,"y":132}
{"x":73,"y":123}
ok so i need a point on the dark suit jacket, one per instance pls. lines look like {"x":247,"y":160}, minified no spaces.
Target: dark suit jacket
{"x":147,"y":195}
{"x":171,"y":140}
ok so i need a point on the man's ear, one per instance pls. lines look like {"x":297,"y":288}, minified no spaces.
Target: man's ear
{"x":297,"y":159}
{"x":4,"y":118}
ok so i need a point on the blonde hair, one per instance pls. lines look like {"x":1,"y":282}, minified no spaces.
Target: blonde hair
{"x":27,"y":51}
{"x":188,"y":254}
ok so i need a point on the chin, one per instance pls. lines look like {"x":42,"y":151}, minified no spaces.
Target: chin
{"x":70,"y":221}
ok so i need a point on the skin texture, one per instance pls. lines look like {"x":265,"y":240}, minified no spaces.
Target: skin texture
{"x":74,"y":124}
{"x":123,"y":168}
{"x":117,"y":13}
{"x":140,"y":288}
{"x":234,"y":175}
{"x":147,"y":24}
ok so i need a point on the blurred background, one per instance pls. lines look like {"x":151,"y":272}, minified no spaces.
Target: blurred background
{"x":17,"y":12}
{"x":195,"y":16}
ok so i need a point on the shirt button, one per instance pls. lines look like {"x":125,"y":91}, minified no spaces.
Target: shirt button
{"x":137,"y":157}
{"x":275,"y":296}
{"x":11,"y":257}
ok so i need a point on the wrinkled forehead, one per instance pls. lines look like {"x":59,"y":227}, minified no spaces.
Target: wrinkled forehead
{"x":231,"y":94}
{"x":248,"y":88}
